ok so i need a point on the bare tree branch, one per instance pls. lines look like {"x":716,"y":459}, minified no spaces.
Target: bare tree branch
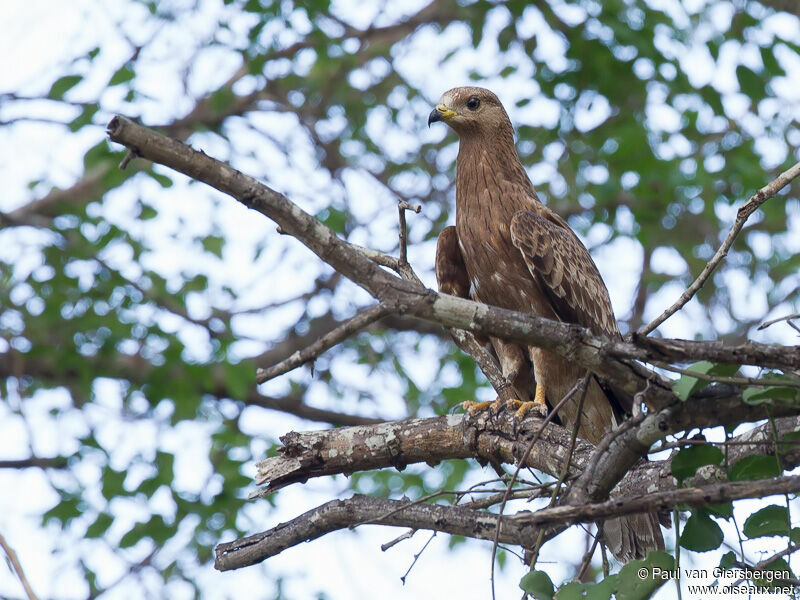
{"x":327,"y":341}
{"x":518,"y":529}
{"x":495,"y":438}
{"x":599,"y":469}
{"x":17,"y":567}
{"x":40,"y":462}
{"x":761,"y":196}
{"x":397,"y":444}
{"x":787,"y":318}
{"x":609,"y":359}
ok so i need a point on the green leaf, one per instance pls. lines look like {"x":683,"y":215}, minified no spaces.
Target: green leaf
{"x":334,"y":218}
{"x":751,"y":84}
{"x":163,"y":180}
{"x":794,"y":535}
{"x":701,"y":533}
{"x":723,"y":511}
{"x":774,"y":394}
{"x":62,"y":85}
{"x":588,"y":591}
{"x":538,"y":585}
{"x":239,"y":379}
{"x":688,"y":385}
{"x":146,"y":212}
{"x":686,"y":462}
{"x":754,"y":467}
{"x":221,"y":100}
{"x":66,"y":509}
{"x":770,"y":520}
{"x":100,"y":525}
{"x":779,"y":566}
{"x":789,"y":441}
{"x":85,"y":118}
{"x":113,"y":483}
{"x":214,"y":245}
{"x":630,"y":585}
{"x":123,"y":75}
{"x":727,"y":561}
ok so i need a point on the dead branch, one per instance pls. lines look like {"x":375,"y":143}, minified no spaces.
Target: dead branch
{"x":761,"y":196}
{"x":602,"y":356}
{"x":17,"y":568}
{"x":397,"y":444}
{"x":519,"y":529}
{"x":327,"y":341}
{"x":346,"y":450}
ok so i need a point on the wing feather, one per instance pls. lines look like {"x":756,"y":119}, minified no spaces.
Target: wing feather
{"x":451,"y":272}
{"x":564,"y":270}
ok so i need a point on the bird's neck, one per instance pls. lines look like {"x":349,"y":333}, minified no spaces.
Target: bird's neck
{"x":492,"y":161}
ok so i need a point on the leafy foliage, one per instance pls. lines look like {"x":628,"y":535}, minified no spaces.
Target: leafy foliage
{"x":686,"y":462}
{"x":135,"y":306}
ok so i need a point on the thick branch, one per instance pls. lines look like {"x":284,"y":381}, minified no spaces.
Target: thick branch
{"x":402,"y":296}
{"x":339,"y":514}
{"x":518,"y":529}
{"x":397,"y":444}
{"x":346,"y":450}
{"x":609,"y":359}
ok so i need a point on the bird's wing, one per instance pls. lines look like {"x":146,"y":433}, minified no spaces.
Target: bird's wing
{"x":564,"y":271}
{"x":451,"y":272}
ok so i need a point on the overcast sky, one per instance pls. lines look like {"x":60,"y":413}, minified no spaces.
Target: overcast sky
{"x":38,"y":38}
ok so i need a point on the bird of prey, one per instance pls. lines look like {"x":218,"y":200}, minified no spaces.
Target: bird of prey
{"x":509,"y":250}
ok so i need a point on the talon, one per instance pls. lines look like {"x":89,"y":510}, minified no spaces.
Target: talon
{"x":497,"y":407}
{"x":473,"y":408}
{"x":526,"y":408}
{"x":539,"y":404}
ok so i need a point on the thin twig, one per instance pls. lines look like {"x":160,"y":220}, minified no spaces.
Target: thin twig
{"x":15,"y":564}
{"x":327,"y":341}
{"x":486,"y":362}
{"x":787,"y":318}
{"x":480,"y":503}
{"x":405,"y":536}
{"x":791,"y":549}
{"x":402,"y":207}
{"x":565,"y":467}
{"x":782,"y":469}
{"x":761,"y":196}
{"x":416,"y":557}
{"x":676,"y":519}
{"x":604,"y":557}
{"x":725,"y":379}
{"x":129,"y":156}
{"x":587,"y":558}
{"x":550,"y":416}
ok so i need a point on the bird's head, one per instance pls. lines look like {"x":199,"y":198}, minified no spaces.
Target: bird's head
{"x":470,"y":111}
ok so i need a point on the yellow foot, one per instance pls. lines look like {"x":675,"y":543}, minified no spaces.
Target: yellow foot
{"x":473,"y":408}
{"x":539,"y":405}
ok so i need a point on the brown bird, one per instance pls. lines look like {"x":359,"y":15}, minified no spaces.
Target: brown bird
{"x":507,"y":249}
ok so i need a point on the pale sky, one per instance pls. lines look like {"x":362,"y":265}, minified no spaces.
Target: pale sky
{"x":38,"y":38}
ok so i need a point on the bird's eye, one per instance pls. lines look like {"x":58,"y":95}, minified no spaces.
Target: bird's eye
{"x":473,"y":103}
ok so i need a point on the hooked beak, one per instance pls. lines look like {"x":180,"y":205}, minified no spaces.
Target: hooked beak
{"x":440,"y":113}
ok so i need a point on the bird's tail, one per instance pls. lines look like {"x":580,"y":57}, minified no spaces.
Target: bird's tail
{"x":633,"y":536}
